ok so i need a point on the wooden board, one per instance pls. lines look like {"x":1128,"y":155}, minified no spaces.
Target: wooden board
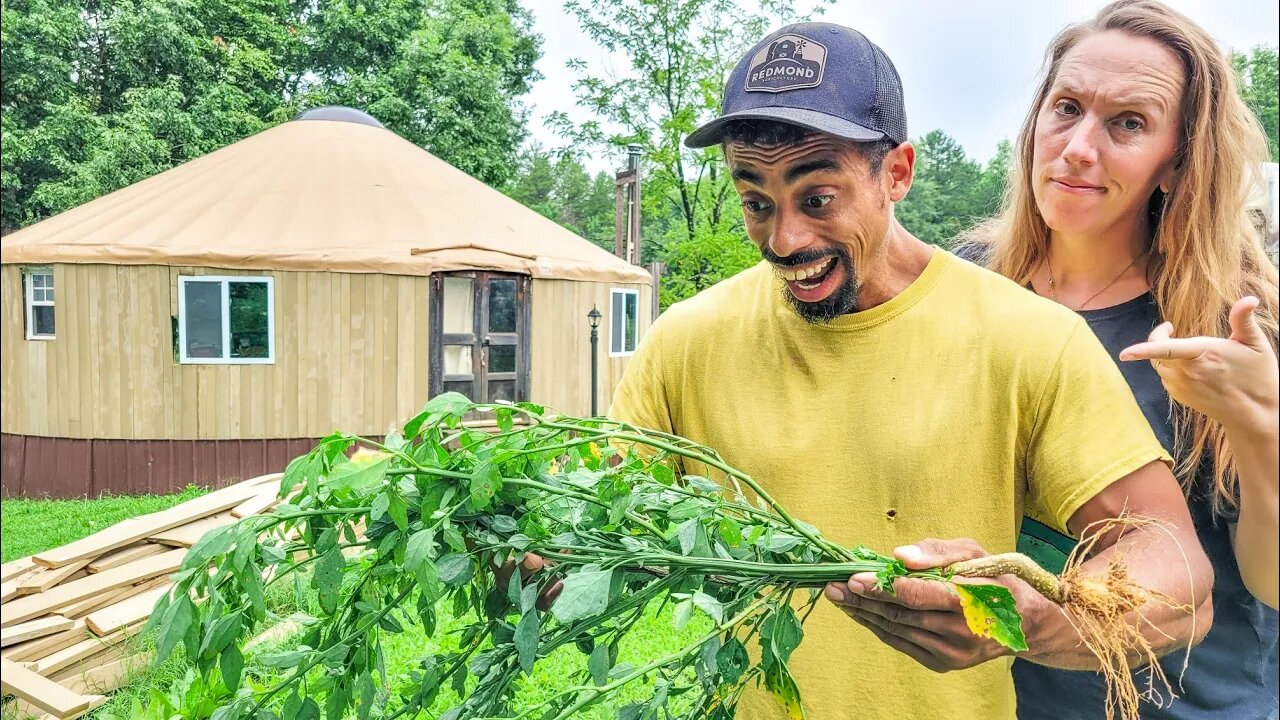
{"x":95,"y":702}
{"x":104,"y":678}
{"x":84,"y":607}
{"x":124,"y":555}
{"x":83,"y":650}
{"x":35,"y":629}
{"x":41,"y":692}
{"x":122,"y":614}
{"x":135,"y":529}
{"x":40,"y":647}
{"x":190,"y":534}
{"x":31,"y":606}
{"x":13,"y":568}
{"x":256,"y":504}
{"x":45,"y":578}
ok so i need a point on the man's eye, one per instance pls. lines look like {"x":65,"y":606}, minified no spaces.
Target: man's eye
{"x":1066,"y":107}
{"x":818,"y":201}
{"x":755,"y":206}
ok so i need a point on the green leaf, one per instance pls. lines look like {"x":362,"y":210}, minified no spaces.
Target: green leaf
{"x":503,"y":524}
{"x":328,"y":579}
{"x":174,"y":627}
{"x":733,"y":661}
{"x":456,"y":569}
{"x":221,"y":633}
{"x":709,"y":605}
{"x":778,"y":680}
{"x":598,"y":664}
{"x":782,"y":630}
{"x":358,"y":477}
{"x":991,"y":612}
{"x":682,"y":614}
{"x":379,"y":506}
{"x":486,"y":481}
{"x":398,"y":511}
{"x":287,"y":659}
{"x":231,"y":665}
{"x":687,"y":533}
{"x":450,"y":403}
{"x":584,"y":593}
{"x":526,"y":640}
{"x":663,"y":474}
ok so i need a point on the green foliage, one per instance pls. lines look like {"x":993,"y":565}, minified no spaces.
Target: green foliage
{"x":1257,"y":72}
{"x":557,"y":186}
{"x":950,"y":191}
{"x":98,"y":95}
{"x":586,"y":495}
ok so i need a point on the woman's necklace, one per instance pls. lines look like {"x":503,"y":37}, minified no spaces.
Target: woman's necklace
{"x":1053,"y":288}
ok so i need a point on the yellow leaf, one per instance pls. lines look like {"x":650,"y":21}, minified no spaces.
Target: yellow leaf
{"x":991,"y":612}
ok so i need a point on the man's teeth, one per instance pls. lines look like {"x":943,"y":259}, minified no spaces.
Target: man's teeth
{"x":806,"y":271}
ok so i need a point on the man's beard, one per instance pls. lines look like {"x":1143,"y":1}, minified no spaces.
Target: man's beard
{"x":842,"y":301}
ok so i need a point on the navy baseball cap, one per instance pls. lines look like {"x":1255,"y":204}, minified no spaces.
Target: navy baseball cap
{"x":819,"y":76}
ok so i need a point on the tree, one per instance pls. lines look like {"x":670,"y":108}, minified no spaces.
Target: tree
{"x":1257,"y":71}
{"x":680,"y":52}
{"x":559,"y":187}
{"x":98,"y":94}
{"x":948,"y":194}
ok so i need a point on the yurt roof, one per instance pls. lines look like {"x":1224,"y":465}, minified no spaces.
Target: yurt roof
{"x":332,"y":190}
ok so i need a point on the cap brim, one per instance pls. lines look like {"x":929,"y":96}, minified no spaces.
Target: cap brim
{"x":713,"y":132}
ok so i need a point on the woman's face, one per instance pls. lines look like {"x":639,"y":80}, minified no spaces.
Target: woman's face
{"x":1106,"y":135}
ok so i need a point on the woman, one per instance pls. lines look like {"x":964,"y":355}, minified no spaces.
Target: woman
{"x":1127,"y":204}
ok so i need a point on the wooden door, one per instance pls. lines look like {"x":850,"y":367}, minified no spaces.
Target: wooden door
{"x":480,"y":335}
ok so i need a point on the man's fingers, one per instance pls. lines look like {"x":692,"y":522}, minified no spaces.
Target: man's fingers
{"x":1244,"y":325}
{"x":932,"y":553}
{"x":548,"y":595}
{"x":1176,"y":349}
{"x":502,"y":575}
{"x":908,"y":592}
{"x":902,"y":645}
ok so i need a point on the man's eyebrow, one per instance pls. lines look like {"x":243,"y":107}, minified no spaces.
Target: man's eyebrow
{"x":745,"y":174}
{"x":822,"y":164}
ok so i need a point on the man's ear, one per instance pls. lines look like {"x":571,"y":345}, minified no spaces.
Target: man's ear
{"x":899,"y":170}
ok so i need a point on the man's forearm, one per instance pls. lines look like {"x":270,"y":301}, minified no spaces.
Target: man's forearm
{"x":1256,"y":447}
{"x":1166,"y":621}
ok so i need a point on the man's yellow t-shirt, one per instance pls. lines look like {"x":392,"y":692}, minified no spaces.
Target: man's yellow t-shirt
{"x":946,"y":412}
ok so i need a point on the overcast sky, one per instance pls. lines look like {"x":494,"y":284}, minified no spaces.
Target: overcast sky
{"x":968,"y":68}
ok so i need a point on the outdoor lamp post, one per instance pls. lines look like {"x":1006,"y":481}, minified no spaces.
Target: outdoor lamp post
{"x":593,"y":318}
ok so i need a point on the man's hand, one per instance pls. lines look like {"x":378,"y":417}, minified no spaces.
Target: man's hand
{"x":530,"y":566}
{"x":923,"y":619}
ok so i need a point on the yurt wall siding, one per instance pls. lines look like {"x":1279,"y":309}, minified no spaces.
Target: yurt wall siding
{"x":350,"y":352}
{"x":561,"y":348}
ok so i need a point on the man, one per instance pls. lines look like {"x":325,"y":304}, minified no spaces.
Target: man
{"x":886,"y":391}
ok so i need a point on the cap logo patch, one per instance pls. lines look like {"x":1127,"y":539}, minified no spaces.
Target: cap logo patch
{"x":790,"y":62}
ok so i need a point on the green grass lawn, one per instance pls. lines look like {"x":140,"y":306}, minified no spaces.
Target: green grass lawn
{"x":30,"y":526}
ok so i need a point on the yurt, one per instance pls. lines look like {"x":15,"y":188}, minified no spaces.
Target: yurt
{"x":209,"y":323}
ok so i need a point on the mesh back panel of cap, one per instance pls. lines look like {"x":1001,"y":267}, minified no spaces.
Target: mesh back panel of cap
{"x":888,"y":111}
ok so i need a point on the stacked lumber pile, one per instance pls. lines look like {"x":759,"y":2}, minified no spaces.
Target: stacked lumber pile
{"x":67,"y":615}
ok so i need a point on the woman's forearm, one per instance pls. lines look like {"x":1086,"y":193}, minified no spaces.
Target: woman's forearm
{"x":1255,"y":443}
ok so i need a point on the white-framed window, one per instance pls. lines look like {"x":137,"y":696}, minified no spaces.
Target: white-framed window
{"x":624,"y":321}
{"x":226,"y":319}
{"x":37,"y":286}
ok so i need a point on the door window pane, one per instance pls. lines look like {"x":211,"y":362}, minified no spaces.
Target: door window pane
{"x":502,"y":305}
{"x":42,"y":319}
{"x":459,"y":306}
{"x":502,"y":358}
{"x":457,"y":360}
{"x":249,"y":335}
{"x":460,"y":386}
{"x":203,"y":313}
{"x":502,"y":390}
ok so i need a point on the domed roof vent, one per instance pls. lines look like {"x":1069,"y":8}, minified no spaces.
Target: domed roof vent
{"x":340,"y":113}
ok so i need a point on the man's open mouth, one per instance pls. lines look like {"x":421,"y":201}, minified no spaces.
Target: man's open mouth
{"x":810,"y":276}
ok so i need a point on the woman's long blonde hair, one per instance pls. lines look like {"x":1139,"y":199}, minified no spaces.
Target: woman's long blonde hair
{"x":1206,"y":252}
